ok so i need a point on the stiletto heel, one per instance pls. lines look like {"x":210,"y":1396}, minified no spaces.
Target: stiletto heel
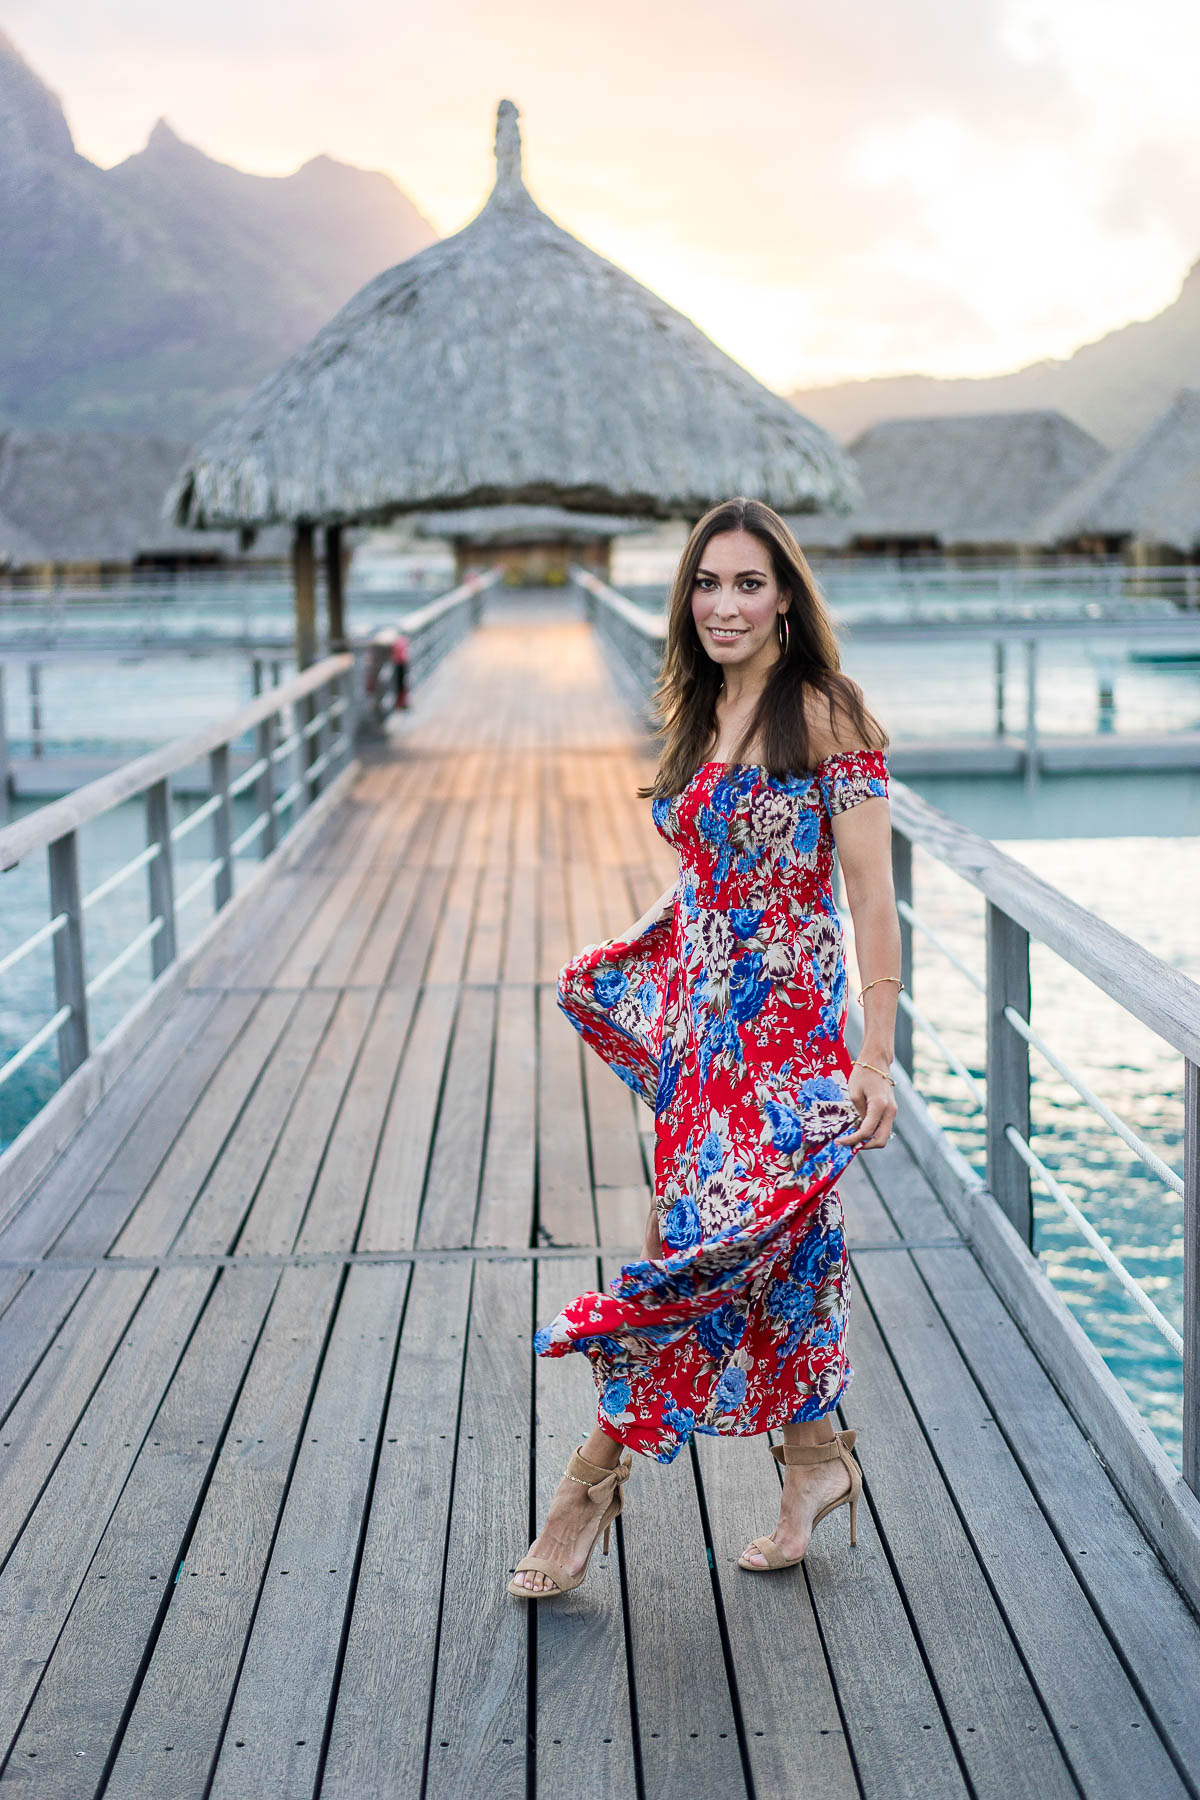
{"x":800,"y":1455}
{"x":605,"y":1488}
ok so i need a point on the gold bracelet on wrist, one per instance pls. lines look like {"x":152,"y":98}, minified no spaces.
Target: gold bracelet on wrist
{"x":860,"y":1064}
{"x":875,"y":983}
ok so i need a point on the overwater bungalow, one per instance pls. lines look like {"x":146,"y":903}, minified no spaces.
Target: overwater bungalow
{"x":508,"y":364}
{"x":534,"y":545}
{"x":1143,"y":502}
{"x":974,"y":485}
{"x":83,"y":504}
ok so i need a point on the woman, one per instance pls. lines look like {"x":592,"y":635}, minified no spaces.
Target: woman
{"x":724,"y":1008}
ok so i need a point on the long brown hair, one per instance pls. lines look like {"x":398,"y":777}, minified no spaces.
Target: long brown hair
{"x":690,"y":681}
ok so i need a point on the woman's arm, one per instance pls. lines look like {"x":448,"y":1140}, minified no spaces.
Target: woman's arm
{"x":864,"y":845}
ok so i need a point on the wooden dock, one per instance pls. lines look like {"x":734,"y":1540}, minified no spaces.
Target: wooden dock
{"x":274,"y":1435}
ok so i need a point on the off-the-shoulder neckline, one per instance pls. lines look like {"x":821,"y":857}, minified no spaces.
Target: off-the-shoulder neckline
{"x":761,"y":768}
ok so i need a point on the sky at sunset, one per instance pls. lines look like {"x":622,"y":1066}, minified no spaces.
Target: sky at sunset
{"x":953,"y":186}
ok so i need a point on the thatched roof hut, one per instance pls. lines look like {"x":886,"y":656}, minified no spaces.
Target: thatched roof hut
{"x":533,"y":544}
{"x":92,"y":497}
{"x":508,"y":363}
{"x":1148,"y":495}
{"x":980,"y":481}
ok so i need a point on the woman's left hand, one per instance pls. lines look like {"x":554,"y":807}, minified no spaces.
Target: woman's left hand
{"x":874,"y":1100}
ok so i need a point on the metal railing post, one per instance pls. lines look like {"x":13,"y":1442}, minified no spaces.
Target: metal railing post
{"x":70,"y":972}
{"x":1191,"y":1274}
{"x":222,"y":826}
{"x":264,"y":787}
{"x":309,"y":749}
{"x":1000,"y":659}
{"x":4,"y":765}
{"x":1007,"y":1067}
{"x":160,"y":873}
{"x":37,"y":746}
{"x":902,"y":878}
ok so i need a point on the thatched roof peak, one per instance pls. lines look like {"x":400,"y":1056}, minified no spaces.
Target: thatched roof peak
{"x":510,"y":184}
{"x":508,"y":364}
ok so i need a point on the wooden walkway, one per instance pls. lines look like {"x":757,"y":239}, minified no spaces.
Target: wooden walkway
{"x":274,"y":1435}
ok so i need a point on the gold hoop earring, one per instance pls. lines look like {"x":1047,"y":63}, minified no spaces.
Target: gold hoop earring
{"x":785,"y":632}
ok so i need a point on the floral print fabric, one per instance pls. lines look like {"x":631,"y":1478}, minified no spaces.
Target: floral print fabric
{"x":725,"y":1016}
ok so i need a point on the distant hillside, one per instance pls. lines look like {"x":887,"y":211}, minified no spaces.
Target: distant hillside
{"x":1114,"y":387}
{"x":152,"y":296}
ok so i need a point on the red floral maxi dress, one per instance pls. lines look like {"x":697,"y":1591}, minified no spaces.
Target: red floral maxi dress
{"x":726,"y":1016}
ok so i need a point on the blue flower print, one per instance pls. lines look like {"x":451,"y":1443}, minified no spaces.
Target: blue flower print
{"x":807,"y":832}
{"x":608,"y":985}
{"x":821,"y":1087}
{"x":616,"y":1397}
{"x":877,"y":787}
{"x":745,"y":920}
{"x":787,"y":1127}
{"x":816,"y":1253}
{"x":682,"y":1224}
{"x":648,"y":999}
{"x":721,"y":1331}
{"x":788,"y":1301}
{"x":541,"y":1340}
{"x":731,"y":1389}
{"x":748,"y":991}
{"x":668,"y":1079}
{"x":681,"y":1420}
{"x":811,"y":1409}
{"x":713,"y":826}
{"x":711,"y":1154}
{"x":659,"y":808}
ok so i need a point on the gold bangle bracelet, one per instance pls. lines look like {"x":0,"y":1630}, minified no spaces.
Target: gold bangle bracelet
{"x":875,"y":983}
{"x":860,"y":1064}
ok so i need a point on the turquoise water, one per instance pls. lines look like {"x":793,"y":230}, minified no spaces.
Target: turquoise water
{"x":1145,"y":887}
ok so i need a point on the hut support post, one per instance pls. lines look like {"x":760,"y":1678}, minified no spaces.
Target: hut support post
{"x":304,"y":586}
{"x":335,"y":589}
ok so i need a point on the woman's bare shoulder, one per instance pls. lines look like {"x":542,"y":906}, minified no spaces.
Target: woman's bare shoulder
{"x":833,"y":729}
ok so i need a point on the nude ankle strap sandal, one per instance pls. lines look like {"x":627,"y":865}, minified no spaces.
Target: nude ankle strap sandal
{"x":605,"y":1488}
{"x":805,"y":1456}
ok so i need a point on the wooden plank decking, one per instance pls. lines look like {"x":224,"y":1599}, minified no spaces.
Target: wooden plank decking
{"x":274,"y":1435}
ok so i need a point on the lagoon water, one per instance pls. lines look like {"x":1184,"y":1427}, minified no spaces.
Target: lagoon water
{"x":1126,"y":846}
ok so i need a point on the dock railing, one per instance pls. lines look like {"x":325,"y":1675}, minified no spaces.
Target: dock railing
{"x":431,"y":631}
{"x":303,"y":738}
{"x":996,"y":1213}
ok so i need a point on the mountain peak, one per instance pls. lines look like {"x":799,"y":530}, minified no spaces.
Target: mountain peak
{"x":31,"y":117}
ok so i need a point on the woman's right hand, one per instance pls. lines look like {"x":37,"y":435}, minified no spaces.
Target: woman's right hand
{"x":652,"y":1249}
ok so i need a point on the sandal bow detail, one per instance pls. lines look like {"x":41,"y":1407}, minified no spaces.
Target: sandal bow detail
{"x":806,"y":1456}
{"x":605,"y":1488}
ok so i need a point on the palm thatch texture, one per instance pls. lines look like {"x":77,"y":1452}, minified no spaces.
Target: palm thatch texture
{"x":1148,"y":494}
{"x":508,"y":363}
{"x":524,"y":525}
{"x":90,"y":497}
{"x":983,"y":480}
